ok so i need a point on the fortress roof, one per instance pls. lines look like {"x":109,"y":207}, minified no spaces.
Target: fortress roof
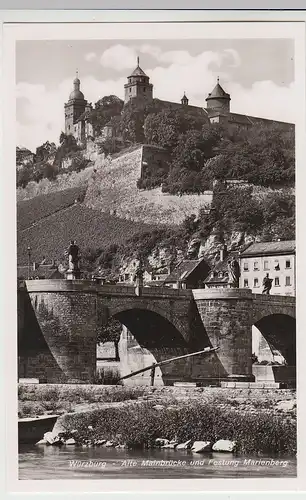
{"x":138,"y":72}
{"x":76,"y":94}
{"x":218,"y":93}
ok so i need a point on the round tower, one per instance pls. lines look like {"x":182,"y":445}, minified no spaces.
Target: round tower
{"x":138,"y":86}
{"x":218,"y":99}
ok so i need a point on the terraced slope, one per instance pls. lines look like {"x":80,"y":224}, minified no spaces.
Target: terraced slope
{"x":50,"y":236}
{"x":30,"y":212}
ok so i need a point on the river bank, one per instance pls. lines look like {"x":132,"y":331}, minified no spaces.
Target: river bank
{"x":258,"y":420}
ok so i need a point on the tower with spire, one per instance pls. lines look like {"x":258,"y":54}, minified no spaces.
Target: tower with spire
{"x":218,"y":99}
{"x":75,"y":107}
{"x":138,"y":86}
{"x":184,"y":100}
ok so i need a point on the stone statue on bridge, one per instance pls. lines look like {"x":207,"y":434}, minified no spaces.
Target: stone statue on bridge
{"x":138,"y":277}
{"x":73,"y":271}
{"x":267,"y":284}
{"x":233,"y":273}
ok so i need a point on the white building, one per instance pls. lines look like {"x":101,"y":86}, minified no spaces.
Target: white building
{"x":277,"y":259}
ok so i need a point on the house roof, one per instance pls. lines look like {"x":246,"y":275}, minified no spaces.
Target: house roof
{"x":183,"y":270}
{"x":269,"y":248}
{"x":219,"y":274}
{"x":46,"y":271}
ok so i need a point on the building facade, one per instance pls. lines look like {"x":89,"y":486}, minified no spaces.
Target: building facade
{"x":277,"y":259}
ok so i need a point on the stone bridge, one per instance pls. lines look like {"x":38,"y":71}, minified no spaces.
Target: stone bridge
{"x":59,"y":320}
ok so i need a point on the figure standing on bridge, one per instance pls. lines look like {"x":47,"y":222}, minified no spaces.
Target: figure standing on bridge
{"x":73,"y":271}
{"x":233,"y":273}
{"x":267,"y":284}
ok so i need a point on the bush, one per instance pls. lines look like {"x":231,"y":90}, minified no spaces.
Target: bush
{"x":140,"y":424}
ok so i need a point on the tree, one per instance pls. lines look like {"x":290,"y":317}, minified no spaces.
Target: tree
{"x":187,"y":171}
{"x":111,"y":332}
{"x":24,"y":175}
{"x":164,"y":127}
{"x":131,"y":123}
{"x":105,"y":109}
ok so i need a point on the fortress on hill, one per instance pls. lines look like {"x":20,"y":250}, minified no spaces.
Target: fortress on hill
{"x":139,"y":90}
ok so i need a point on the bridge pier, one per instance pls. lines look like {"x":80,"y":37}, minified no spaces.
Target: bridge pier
{"x":227,"y":316}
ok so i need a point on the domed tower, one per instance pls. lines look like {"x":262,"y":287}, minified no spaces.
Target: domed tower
{"x":75,"y":106}
{"x":218,"y":99}
{"x":138,"y":86}
{"x":184,"y":100}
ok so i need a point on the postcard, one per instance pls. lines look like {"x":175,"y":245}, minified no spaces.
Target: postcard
{"x":153,"y":165}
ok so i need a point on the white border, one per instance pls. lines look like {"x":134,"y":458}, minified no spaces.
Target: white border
{"x":90,"y":31}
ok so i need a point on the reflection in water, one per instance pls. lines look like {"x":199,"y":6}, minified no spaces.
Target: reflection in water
{"x":69,"y":462}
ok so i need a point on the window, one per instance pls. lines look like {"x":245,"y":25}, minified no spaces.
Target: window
{"x":266,"y":265}
{"x":256,"y":282}
{"x":245,"y":283}
{"x":130,"y":90}
{"x":276,"y":282}
{"x":288,"y":264}
{"x":245,"y":266}
{"x":288,"y":281}
{"x":256,"y":266}
{"x":276,"y":265}
{"x":144,"y":89}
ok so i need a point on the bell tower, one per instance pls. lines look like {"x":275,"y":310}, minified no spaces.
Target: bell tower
{"x":184,"y":100}
{"x":75,"y":106}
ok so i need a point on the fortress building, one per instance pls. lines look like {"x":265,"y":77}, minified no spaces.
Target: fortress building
{"x":139,"y":91}
{"x":138,"y":86}
{"x":76,"y":110}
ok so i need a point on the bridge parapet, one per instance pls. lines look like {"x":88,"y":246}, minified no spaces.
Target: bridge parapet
{"x":88,"y":286}
{"x":287,"y":300}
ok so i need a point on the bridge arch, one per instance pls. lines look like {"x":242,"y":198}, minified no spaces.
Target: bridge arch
{"x":157,"y":337}
{"x":279,"y":330}
{"x":125,"y":309}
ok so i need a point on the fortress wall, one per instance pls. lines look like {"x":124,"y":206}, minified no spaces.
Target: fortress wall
{"x":114,"y":189}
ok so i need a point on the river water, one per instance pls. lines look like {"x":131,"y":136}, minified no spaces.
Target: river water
{"x":70,"y":462}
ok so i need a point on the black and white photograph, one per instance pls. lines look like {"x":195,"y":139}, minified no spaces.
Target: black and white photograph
{"x":156,"y":254}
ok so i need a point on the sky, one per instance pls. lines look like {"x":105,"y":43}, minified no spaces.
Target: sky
{"x":258,"y":73}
